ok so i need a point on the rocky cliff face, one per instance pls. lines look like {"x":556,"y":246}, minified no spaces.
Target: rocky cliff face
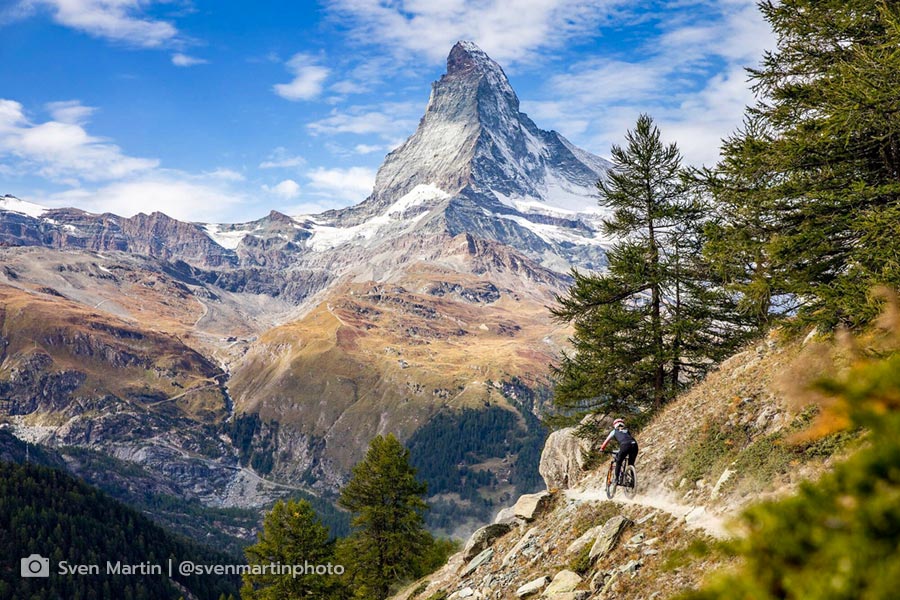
{"x":474,"y":137}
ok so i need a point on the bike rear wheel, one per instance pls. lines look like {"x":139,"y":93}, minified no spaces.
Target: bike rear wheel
{"x":629,"y":481}
{"x":611,"y":481}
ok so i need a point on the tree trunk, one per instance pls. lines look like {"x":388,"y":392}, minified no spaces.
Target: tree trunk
{"x":655,"y":302}
{"x":676,"y":341}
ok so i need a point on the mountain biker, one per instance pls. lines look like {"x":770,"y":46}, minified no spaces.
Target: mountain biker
{"x":628,"y":446}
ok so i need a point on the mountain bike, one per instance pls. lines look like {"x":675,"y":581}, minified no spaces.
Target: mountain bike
{"x":628,"y":478}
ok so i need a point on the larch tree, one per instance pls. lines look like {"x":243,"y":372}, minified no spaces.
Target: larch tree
{"x":657,"y":318}
{"x":292,"y":535}
{"x":389,"y":541}
{"x":821,"y":164}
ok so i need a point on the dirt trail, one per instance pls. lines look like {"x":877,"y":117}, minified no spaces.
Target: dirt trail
{"x":694,"y":517}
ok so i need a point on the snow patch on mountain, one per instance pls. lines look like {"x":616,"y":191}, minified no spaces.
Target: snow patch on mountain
{"x":556,"y":196}
{"x":327,"y":236}
{"x":13,"y":204}
{"x":555,"y":233}
{"x":225,"y":235}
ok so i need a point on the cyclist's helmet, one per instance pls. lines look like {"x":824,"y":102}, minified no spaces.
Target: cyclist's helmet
{"x":618,"y":422}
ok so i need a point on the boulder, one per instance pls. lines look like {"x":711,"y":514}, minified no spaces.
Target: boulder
{"x":584,"y":540}
{"x":526,"y":541}
{"x":608,"y":536}
{"x":529,"y":505}
{"x":631,"y":567}
{"x":532,"y":587}
{"x":483,"y":538}
{"x":563,"y":459}
{"x":723,"y":479}
{"x":564,"y":581}
{"x":476,"y":562}
{"x":508,"y":515}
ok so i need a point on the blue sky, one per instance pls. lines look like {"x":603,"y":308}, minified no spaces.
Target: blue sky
{"x":218,"y":110}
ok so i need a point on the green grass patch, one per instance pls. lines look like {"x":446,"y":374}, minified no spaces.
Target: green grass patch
{"x":420,"y":589}
{"x":756,"y":459}
{"x":697,"y":548}
{"x":593,"y":515}
{"x":581,"y":563}
{"x":711,"y":452}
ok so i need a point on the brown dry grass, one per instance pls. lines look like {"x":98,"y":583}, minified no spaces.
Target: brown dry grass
{"x":80,"y":339}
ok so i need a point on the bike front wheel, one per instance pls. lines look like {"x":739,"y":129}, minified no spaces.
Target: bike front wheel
{"x":629,"y":481}
{"x":611,"y":481}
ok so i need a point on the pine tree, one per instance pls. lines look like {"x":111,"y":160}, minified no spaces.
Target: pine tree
{"x":389,"y":538}
{"x":826,"y":172}
{"x":743,"y":219}
{"x":292,"y":535}
{"x":657,"y":318}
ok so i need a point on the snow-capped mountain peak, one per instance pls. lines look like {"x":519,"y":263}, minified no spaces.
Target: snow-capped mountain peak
{"x":499,"y":174}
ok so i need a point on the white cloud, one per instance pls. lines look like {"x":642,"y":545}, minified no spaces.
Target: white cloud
{"x":604,"y":80}
{"x":100,"y":177}
{"x":690,"y":78}
{"x":280,"y":158}
{"x":508,"y":30}
{"x":225,"y":174}
{"x":353,"y":184}
{"x":177,"y":194}
{"x":388,"y":120}
{"x":287,"y":189}
{"x":364,"y":76}
{"x":183,"y":60}
{"x":368,"y":148}
{"x":70,"y":111}
{"x":309,"y":78}
{"x":310,"y":207}
{"x":115,"y":20}
{"x":62,"y":150}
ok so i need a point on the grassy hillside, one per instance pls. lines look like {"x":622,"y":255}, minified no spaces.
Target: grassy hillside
{"x":375,"y":358}
{"x":73,"y":360}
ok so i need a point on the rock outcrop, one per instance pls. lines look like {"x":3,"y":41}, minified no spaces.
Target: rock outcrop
{"x":608,"y":536}
{"x":528,"y":506}
{"x":563,"y":459}
{"x":483,"y":538}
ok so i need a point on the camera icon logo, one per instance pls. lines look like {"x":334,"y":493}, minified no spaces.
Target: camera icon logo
{"x":35,"y":566}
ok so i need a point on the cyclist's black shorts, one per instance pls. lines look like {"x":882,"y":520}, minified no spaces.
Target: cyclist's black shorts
{"x":629,"y":450}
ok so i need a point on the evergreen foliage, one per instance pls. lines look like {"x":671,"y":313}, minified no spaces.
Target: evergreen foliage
{"x":133,"y":485}
{"x":292,"y":535}
{"x":658,"y":318}
{"x":445,"y":450}
{"x":838,"y":538}
{"x":256,"y":441}
{"x":389,"y":540}
{"x":48,"y":512}
{"x":809,"y":191}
